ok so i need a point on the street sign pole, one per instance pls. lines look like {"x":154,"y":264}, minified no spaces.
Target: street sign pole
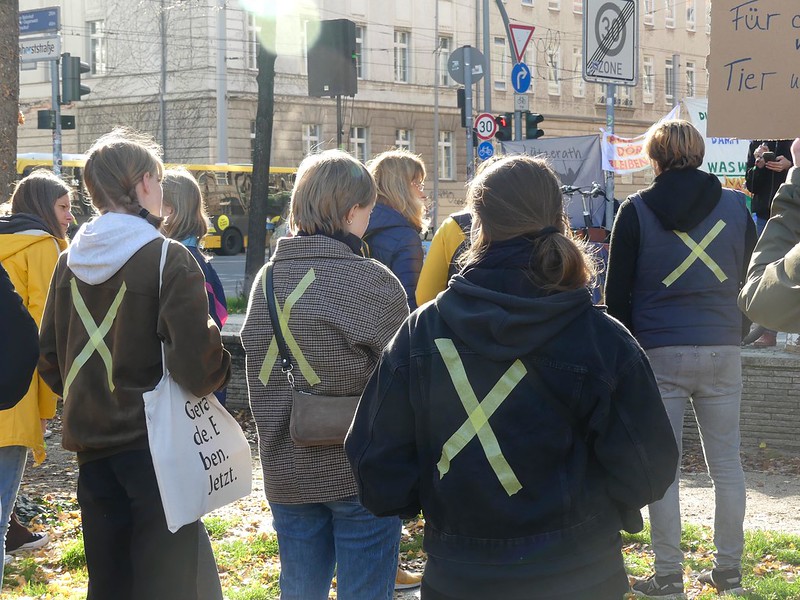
{"x":468,"y":110}
{"x":610,"y":93}
{"x":57,"y":109}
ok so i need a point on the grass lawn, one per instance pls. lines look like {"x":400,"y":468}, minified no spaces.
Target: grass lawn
{"x":249,"y":566}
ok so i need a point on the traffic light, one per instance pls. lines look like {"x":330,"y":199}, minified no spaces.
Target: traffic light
{"x":532,"y":121}
{"x":461,"y":102}
{"x":71,"y":69}
{"x":503,"y":132}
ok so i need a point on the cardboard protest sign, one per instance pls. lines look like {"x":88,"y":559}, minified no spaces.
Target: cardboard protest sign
{"x":754,"y":69}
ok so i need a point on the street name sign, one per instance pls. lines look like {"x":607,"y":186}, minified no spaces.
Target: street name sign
{"x":43,"y":48}
{"x":610,"y":41}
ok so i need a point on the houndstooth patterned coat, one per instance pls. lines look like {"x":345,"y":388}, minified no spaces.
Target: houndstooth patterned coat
{"x":343,"y":319}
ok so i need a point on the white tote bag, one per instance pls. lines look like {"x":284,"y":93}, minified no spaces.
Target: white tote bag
{"x":200,"y":455}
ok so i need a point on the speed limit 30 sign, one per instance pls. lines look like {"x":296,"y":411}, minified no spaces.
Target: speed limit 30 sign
{"x":610,"y":41}
{"x":485,"y":127}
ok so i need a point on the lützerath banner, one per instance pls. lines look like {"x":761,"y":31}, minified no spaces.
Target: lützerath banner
{"x":725,"y":157}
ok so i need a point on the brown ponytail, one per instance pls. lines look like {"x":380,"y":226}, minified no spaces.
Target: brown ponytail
{"x":115,"y":164}
{"x":519,"y":196}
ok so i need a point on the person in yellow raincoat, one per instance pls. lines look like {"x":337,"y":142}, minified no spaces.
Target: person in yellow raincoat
{"x":31,"y":238}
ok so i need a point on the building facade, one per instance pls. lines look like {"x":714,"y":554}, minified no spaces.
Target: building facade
{"x":157,"y":66}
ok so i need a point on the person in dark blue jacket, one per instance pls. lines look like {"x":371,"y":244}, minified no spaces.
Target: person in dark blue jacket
{"x":678,"y":258}
{"x":186,"y":221}
{"x":521,"y":419}
{"x":19,"y":344}
{"x":392,"y":237}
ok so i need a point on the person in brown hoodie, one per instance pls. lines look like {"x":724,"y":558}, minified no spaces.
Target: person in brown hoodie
{"x":100,"y":349}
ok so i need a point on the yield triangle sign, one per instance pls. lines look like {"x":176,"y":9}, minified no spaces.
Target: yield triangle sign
{"x":520,"y":36}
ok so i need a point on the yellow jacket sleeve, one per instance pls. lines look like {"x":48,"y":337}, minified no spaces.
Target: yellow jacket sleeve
{"x":433,"y":277}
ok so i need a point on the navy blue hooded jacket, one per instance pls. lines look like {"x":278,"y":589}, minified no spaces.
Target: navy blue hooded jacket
{"x":19,"y":344}
{"x":393,"y":241}
{"x":573,"y":438}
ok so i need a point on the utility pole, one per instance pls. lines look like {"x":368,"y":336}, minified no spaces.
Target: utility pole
{"x":162,"y":92}
{"x":437,"y":58}
{"x":610,"y":92}
{"x":222,"y":83}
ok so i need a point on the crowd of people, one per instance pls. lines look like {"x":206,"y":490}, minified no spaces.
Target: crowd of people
{"x":528,"y":425}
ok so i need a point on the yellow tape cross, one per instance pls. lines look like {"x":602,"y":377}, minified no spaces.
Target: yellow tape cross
{"x":96,"y":333}
{"x":698,"y":251}
{"x":478,"y":415}
{"x":283,"y":317}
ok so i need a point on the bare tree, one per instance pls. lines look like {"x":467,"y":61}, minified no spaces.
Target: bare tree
{"x":9,"y":94}
{"x":256,"y":225}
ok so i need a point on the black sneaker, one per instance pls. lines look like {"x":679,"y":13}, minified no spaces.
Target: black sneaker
{"x":665,"y":587}
{"x":725,"y":582}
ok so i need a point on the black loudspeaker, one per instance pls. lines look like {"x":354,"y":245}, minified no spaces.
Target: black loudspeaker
{"x":331,"y":56}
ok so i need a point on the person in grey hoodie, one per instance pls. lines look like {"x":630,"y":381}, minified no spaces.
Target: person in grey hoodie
{"x":100,"y":344}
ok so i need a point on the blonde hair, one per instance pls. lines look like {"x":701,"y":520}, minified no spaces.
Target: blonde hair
{"x":327,"y":186}
{"x":519,"y":196}
{"x":674,"y":144}
{"x":395,"y":171}
{"x":36,"y":195}
{"x":182,"y":194}
{"x":115,"y":164}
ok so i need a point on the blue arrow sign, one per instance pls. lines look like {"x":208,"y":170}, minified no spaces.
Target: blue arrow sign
{"x":521,"y":78}
{"x":485,"y":150}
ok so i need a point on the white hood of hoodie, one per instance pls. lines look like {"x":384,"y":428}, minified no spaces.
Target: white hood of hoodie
{"x":103,"y":245}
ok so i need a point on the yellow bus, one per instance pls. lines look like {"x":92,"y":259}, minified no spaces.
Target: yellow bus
{"x":226,"y":190}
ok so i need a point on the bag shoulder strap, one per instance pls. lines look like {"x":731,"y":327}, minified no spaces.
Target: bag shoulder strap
{"x":269,"y":292}
{"x":162,"y":262}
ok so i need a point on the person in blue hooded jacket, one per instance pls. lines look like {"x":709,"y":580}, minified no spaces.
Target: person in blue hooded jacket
{"x":398,"y":217}
{"x":523,"y":420}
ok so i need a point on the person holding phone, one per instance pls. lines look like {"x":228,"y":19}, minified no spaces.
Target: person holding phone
{"x":768,"y":161}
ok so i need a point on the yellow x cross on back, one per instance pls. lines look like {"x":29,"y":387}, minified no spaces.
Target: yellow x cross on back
{"x":96,"y":333}
{"x":698,"y":251}
{"x":478,"y":415}
{"x":283,"y":317}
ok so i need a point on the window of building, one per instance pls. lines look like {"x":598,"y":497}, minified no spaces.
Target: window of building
{"x":311,"y":137}
{"x":251,"y":42}
{"x":577,"y":7}
{"x":527,"y":2}
{"x":554,"y":72}
{"x":445,"y":48}
{"x":649,"y":9}
{"x":401,"y":66}
{"x":360,"y":31}
{"x":669,"y":13}
{"x":669,"y":83}
{"x":691,"y":80}
{"x":359,"y":143}
{"x":97,"y":47}
{"x":624,"y":96}
{"x":402,"y":139}
{"x":648,"y":79}
{"x":691,"y":15}
{"x":500,"y":61}
{"x":554,"y":4}
{"x":446,"y":165}
{"x":578,"y":84}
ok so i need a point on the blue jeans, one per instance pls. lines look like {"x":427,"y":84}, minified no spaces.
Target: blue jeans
{"x":12,"y":466}
{"x":313,"y":539}
{"x":711,"y":378}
